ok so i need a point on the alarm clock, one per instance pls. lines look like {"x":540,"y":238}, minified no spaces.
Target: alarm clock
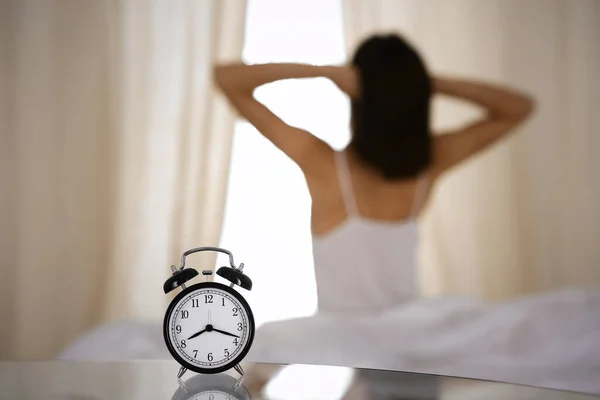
{"x":208,"y":327}
{"x":211,"y":387}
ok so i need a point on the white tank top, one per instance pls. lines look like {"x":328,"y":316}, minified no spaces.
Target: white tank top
{"x":365,"y":265}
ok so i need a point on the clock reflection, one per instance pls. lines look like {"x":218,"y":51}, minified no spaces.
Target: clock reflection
{"x":211,"y":387}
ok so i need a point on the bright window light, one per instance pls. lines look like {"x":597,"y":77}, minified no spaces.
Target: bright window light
{"x":267,"y":216}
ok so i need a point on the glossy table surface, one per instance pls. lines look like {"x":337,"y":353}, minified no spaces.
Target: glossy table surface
{"x":158,"y":380}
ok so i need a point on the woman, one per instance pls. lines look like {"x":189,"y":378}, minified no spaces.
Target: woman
{"x":366,"y":198}
{"x":365,"y":203}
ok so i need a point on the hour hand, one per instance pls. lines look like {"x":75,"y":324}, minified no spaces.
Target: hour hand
{"x":197,"y":334}
{"x":225,"y":333}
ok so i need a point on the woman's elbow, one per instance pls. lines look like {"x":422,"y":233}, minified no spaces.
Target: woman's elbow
{"x":528,"y":106}
{"x":522,"y":107}
{"x":228,"y":78}
{"x":220,"y":75}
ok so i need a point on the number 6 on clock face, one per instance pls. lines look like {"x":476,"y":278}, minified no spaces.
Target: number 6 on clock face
{"x":209,"y":327}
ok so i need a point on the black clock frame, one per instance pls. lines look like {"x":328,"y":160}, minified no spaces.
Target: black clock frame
{"x":233,"y":362}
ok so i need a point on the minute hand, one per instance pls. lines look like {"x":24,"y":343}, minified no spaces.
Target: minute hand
{"x":225,"y":333}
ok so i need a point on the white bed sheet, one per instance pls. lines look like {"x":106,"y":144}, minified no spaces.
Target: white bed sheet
{"x":550,"y":341}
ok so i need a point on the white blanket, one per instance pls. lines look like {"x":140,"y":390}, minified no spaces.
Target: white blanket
{"x":551,"y":340}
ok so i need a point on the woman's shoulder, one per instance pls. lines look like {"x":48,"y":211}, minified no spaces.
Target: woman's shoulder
{"x":319,"y":164}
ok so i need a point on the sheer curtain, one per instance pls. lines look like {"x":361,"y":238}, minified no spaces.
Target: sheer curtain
{"x":114,"y":158}
{"x":522,"y":217}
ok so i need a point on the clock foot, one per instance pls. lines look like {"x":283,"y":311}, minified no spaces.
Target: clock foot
{"x":182,"y":371}
{"x":239,"y":369}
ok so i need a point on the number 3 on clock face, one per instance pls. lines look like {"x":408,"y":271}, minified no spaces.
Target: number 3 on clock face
{"x":209,"y":327}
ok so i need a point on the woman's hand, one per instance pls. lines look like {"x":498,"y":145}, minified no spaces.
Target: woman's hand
{"x":345,"y":78}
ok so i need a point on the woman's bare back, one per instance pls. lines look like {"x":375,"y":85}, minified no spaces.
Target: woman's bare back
{"x":377,"y":199}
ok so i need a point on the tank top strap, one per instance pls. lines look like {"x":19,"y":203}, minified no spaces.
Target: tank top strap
{"x":346,"y":183}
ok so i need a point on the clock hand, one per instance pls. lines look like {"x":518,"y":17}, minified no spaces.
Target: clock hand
{"x":225,"y":333}
{"x":197,"y":334}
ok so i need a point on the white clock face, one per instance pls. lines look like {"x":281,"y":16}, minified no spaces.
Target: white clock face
{"x":209,"y":328}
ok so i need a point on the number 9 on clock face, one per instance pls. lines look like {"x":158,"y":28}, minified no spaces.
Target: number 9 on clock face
{"x":209,"y":328}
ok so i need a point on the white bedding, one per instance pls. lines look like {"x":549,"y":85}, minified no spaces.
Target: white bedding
{"x":551,"y":340}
